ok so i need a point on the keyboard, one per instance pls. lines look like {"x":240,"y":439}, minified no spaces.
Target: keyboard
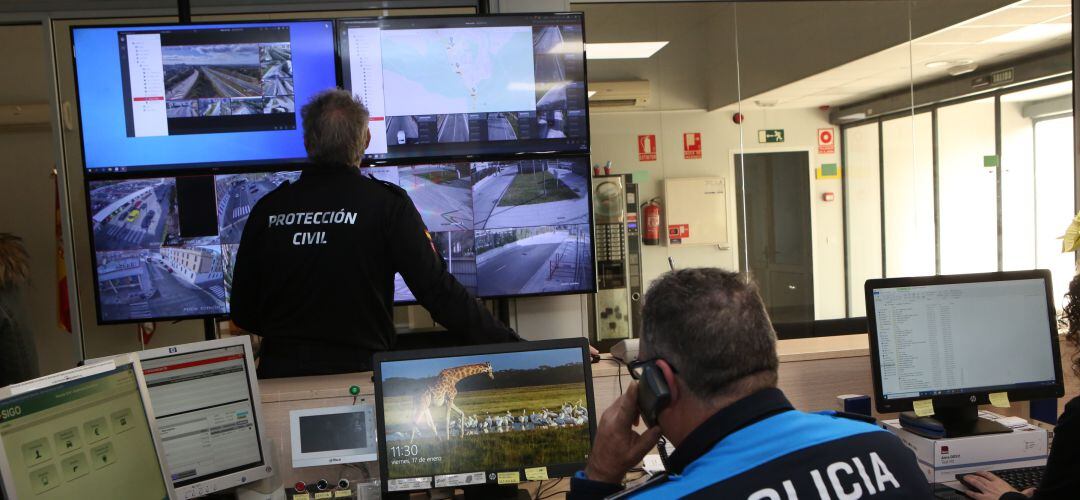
{"x":1021,"y":479}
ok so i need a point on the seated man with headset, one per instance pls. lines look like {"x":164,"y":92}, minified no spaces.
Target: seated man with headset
{"x":707,"y":377}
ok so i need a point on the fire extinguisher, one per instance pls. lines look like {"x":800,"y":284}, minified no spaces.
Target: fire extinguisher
{"x":651,"y":212}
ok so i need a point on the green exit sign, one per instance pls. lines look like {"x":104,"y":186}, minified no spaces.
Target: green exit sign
{"x":770,"y":135}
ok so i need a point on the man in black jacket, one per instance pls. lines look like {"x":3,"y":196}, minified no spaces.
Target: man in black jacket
{"x":707,"y":338}
{"x":314,"y":273}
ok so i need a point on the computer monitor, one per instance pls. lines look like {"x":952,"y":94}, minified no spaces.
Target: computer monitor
{"x":165,"y":97}
{"x":454,"y":86}
{"x":209,"y":411}
{"x":206,"y":401}
{"x":333,"y":435}
{"x":483,"y":415}
{"x":955,"y":340}
{"x":165,"y":247}
{"x":507,"y":228}
{"x":82,"y":433}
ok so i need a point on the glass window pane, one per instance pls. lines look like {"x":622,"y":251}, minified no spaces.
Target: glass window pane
{"x":908,"y":179}
{"x":967,"y":189}
{"x":1017,"y":186}
{"x":1054,"y":205}
{"x":863,"y":211}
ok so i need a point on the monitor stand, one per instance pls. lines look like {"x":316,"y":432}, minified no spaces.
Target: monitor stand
{"x":951,"y":422}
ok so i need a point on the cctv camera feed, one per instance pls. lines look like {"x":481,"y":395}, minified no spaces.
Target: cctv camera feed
{"x":147,"y":267}
{"x":504,"y":228}
{"x":460,"y":420}
{"x":466,"y":85}
{"x":184,"y":96}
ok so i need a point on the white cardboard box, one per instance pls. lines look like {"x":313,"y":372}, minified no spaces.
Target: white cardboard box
{"x":942,"y":459}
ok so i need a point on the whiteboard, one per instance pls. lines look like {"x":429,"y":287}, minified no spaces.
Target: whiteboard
{"x":696,"y":211}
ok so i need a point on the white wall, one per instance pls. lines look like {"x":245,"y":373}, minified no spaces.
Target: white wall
{"x":614,"y":137}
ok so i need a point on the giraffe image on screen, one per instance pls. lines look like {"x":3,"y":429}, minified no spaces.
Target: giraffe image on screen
{"x":471,"y":414}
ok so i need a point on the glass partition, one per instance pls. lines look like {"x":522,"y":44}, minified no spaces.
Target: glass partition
{"x":924,"y":148}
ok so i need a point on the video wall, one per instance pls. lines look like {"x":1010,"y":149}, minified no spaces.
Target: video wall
{"x":186,"y":127}
{"x":504,"y":228}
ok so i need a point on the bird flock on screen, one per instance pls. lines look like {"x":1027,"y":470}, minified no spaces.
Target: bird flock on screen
{"x":569,"y":415}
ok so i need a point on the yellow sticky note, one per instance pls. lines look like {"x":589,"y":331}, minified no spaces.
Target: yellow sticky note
{"x":999,"y":399}
{"x":343,"y":494}
{"x":536,"y":474}
{"x":301,"y":496}
{"x":322,"y":495}
{"x":509,"y":477}
{"x":924,"y":408}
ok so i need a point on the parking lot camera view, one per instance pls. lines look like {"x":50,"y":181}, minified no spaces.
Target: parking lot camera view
{"x":484,"y":413}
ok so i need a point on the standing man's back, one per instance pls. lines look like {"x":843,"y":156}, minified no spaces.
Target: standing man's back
{"x":315,"y":270}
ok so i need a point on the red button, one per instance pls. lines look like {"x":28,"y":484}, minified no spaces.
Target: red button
{"x":300,"y":486}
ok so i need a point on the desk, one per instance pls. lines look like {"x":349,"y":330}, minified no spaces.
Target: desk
{"x":812,"y":373}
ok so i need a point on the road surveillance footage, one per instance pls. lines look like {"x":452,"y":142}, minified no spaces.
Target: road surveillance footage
{"x":146,"y":268}
{"x":161,"y":281}
{"x":458,"y":250}
{"x":442,"y":194}
{"x":532,"y":260}
{"x":216,"y":80}
{"x":530,"y":193}
{"x":529,"y":222}
{"x":236,"y":196}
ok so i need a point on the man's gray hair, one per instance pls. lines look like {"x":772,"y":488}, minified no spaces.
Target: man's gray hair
{"x":711,"y":326}
{"x":334,"y":123}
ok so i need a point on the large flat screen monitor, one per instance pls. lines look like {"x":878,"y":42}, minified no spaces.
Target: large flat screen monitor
{"x":164,"y":247}
{"x":464,"y":416}
{"x":206,"y":401}
{"x":957,"y":339}
{"x":83,"y":433}
{"x":170,"y":97}
{"x":453,"y":86}
{"x":505,"y":228}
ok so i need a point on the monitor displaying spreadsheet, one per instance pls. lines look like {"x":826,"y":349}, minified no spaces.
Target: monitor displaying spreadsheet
{"x":955,"y":338}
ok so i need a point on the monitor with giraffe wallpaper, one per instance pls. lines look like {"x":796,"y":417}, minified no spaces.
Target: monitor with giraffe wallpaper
{"x":481,"y":415}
